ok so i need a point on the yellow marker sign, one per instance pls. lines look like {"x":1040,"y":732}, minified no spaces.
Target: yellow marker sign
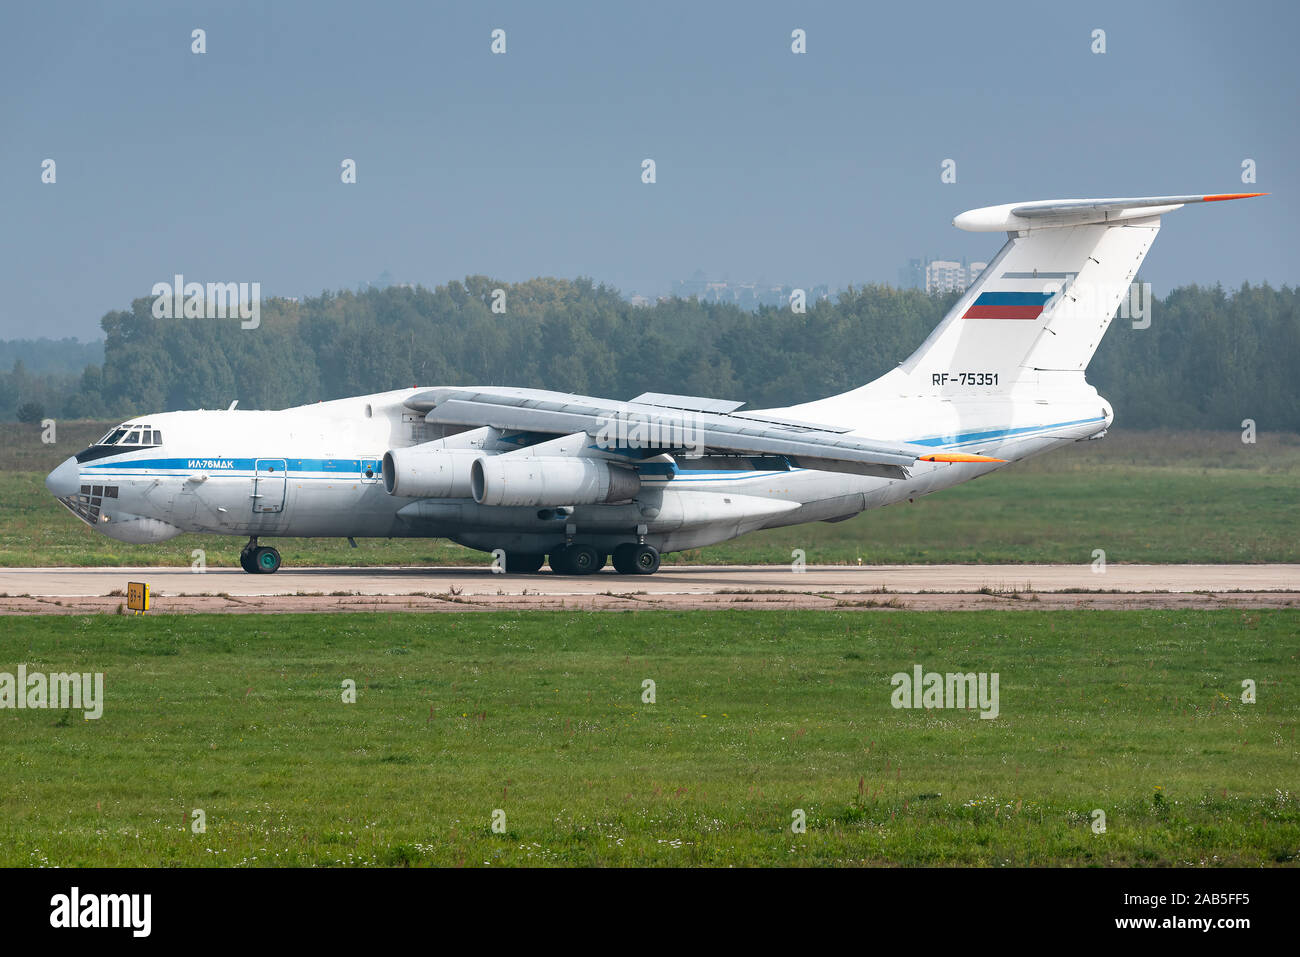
{"x":137,"y":597}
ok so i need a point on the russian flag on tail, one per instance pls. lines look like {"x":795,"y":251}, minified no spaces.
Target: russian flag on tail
{"x":1008,"y":305}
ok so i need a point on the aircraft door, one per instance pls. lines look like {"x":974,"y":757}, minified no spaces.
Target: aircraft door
{"x":371,"y":471}
{"x":268,"y":485}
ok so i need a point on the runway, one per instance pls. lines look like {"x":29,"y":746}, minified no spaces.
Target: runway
{"x":79,"y":590}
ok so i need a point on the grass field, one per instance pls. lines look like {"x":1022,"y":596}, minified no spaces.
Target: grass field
{"x":757,"y":714}
{"x":1142,"y":497}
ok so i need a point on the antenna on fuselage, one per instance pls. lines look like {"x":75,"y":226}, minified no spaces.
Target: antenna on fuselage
{"x":232,"y":406}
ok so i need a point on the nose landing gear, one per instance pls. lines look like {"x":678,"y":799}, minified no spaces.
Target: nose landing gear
{"x":259,"y":559}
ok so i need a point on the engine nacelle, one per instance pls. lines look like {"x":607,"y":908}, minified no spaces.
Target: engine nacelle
{"x":550,"y":480}
{"x":423,"y":472}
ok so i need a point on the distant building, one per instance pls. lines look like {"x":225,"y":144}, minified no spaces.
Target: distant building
{"x":944,"y":275}
{"x":746,"y":295}
{"x":939,"y":275}
{"x":912,"y":276}
{"x":385,"y":281}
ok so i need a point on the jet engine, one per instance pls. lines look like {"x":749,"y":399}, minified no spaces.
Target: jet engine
{"x":424,"y":472}
{"x":550,"y":480}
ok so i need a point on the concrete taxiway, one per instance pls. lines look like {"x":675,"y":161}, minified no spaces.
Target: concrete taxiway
{"x":47,"y":590}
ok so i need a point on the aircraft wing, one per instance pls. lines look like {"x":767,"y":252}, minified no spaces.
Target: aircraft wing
{"x":676,"y":424}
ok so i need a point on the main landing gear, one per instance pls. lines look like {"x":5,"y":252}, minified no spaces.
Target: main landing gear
{"x":523,"y":563}
{"x":578,"y":559}
{"x":259,"y":559}
{"x":633,"y":559}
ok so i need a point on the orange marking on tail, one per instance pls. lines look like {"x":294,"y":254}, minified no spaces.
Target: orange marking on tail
{"x":957,"y":457}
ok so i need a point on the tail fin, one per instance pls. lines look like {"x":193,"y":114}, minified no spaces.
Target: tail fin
{"x":1044,"y":302}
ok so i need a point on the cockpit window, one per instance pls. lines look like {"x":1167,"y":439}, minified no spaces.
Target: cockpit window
{"x":120,"y":441}
{"x":131,"y":435}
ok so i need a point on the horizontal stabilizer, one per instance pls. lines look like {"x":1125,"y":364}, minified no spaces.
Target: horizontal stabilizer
{"x":1079,"y":212}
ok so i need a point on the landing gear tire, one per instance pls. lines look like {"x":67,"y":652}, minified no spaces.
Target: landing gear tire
{"x":576,"y":560}
{"x":246,"y":562}
{"x":265,"y":560}
{"x":632,"y":559}
{"x":523,"y":563}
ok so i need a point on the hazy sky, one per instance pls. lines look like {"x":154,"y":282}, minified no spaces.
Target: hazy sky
{"x":802,"y":169}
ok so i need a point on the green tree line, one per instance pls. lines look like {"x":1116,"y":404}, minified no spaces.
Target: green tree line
{"x":1208,"y":359}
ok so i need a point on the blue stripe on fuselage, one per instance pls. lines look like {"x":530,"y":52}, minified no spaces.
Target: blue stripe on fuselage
{"x":325,"y":468}
{"x":221,"y":464}
{"x":966,"y":438}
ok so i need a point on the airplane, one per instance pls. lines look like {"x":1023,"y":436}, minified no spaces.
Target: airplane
{"x":535,"y":476}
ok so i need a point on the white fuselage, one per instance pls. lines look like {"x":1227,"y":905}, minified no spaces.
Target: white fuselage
{"x":314,"y":471}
